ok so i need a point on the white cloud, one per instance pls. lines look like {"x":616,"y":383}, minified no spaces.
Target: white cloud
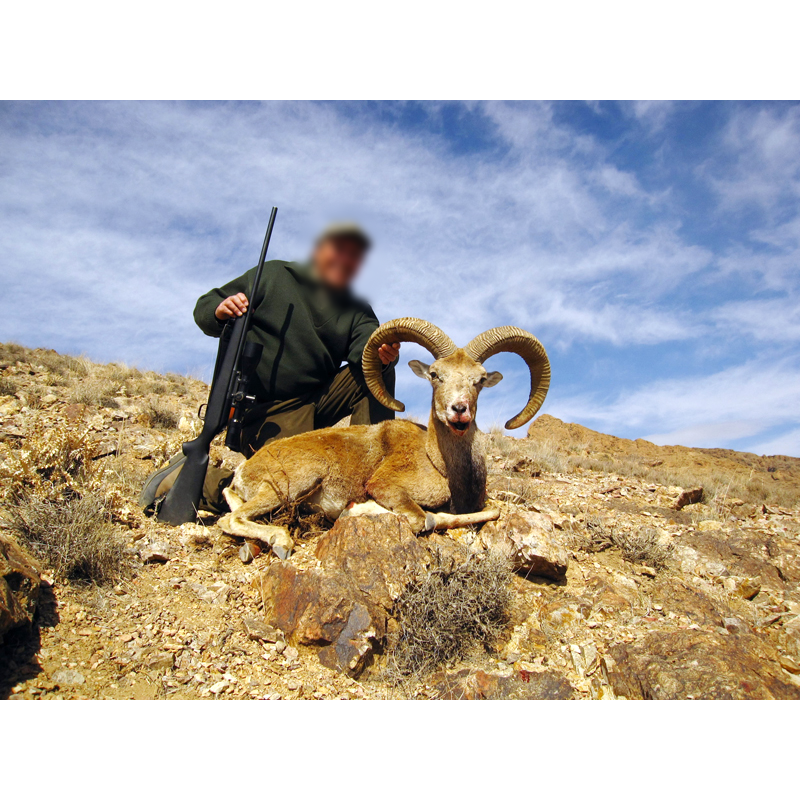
{"x":735,"y":403}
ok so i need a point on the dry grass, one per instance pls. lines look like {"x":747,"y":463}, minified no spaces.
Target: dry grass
{"x":53,"y":464}
{"x":159,"y":415}
{"x":73,"y":537}
{"x":7,"y":387}
{"x":449,"y":613}
{"x":94,"y":392}
{"x":643,"y":547}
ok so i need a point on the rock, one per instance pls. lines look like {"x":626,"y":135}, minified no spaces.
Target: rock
{"x":699,"y":664}
{"x":353,"y":646}
{"x":68,"y":677}
{"x":160,"y":661}
{"x":710,"y":525}
{"x":748,"y":588}
{"x":528,"y":540}
{"x":155,"y":553}
{"x":20,"y":584}
{"x":735,"y":625}
{"x":790,"y":665}
{"x":517,"y":684}
{"x":689,"y":497}
{"x":248,"y":551}
{"x":74,"y":411}
{"x":380,"y":555}
{"x":343,"y":606}
{"x":258,"y":630}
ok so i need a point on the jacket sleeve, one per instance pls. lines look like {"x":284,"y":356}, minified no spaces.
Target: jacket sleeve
{"x":207,"y":304}
{"x":364,"y":326}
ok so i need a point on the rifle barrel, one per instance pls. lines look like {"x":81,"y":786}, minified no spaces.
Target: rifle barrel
{"x":251,"y":300}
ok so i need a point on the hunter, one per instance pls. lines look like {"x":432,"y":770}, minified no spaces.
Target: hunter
{"x":313,"y":330}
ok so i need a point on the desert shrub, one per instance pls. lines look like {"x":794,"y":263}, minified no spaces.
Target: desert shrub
{"x":56,"y":363}
{"x":118,"y":373}
{"x":72,"y":537}
{"x":643,"y":546}
{"x":51,"y":464}
{"x":159,"y":415}
{"x":10,"y":352}
{"x":94,"y":392}
{"x":7,"y":387}
{"x":594,"y":538}
{"x":446,"y":614}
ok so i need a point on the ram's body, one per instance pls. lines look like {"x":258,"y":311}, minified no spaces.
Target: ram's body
{"x":436,"y":477}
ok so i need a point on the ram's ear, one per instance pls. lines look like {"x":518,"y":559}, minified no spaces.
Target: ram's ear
{"x":492,"y":379}
{"x":421,"y":370}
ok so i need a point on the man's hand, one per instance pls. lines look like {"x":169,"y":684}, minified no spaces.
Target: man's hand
{"x":388,"y":352}
{"x":230,"y":307}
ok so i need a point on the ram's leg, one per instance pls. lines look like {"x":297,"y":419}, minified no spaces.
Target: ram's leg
{"x":240,"y":522}
{"x":232,"y":499}
{"x":397,"y":499}
{"x":443,"y":521}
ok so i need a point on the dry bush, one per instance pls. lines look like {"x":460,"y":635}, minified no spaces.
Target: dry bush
{"x":10,"y":352}
{"x":72,"y":537}
{"x":643,"y":547}
{"x":448,"y":613}
{"x":94,"y":392}
{"x":7,"y":387}
{"x":119,"y":373}
{"x":52,"y":464}
{"x":58,"y":364}
{"x":159,"y":415}
{"x":594,"y":538}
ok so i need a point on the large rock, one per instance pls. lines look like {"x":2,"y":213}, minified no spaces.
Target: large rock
{"x":515,"y":684}
{"x":701,"y":665}
{"x":19,"y":586}
{"x":343,"y":607}
{"x":527,"y":539}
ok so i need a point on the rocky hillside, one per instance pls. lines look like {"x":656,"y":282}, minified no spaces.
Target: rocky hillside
{"x":617,"y":569}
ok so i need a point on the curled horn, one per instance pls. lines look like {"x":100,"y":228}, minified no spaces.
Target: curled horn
{"x":509,"y":339}
{"x":406,"y":329}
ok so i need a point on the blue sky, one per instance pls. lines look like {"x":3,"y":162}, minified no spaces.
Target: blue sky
{"x":652,"y":247}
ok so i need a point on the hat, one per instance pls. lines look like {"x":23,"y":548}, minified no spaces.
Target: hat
{"x":349,"y":230}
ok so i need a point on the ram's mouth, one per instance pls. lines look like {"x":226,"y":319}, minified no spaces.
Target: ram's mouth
{"x":459,"y":428}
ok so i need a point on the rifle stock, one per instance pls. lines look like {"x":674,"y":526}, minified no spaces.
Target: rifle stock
{"x":227,"y":399}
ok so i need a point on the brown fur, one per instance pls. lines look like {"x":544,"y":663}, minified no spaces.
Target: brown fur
{"x":399,"y":464}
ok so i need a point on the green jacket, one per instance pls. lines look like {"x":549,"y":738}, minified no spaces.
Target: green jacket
{"x":306,"y":330}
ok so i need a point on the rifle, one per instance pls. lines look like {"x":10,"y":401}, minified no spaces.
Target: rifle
{"x":228,"y":402}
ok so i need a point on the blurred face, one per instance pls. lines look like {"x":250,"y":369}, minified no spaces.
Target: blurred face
{"x":337,"y":261}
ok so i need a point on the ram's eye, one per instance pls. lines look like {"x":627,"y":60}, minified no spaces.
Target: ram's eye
{"x":434,"y":376}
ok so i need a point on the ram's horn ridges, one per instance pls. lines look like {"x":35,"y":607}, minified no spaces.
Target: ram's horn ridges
{"x":405,"y":329}
{"x":509,"y":339}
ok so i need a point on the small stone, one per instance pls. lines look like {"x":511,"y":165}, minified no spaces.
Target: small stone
{"x":689,"y":497}
{"x":68,"y":677}
{"x":790,"y":665}
{"x":748,"y":588}
{"x":248,"y":551}
{"x":155,"y":553}
{"x":160,"y":661}
{"x":258,"y":630}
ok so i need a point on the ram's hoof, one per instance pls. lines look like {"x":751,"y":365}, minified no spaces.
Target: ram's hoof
{"x":224,"y":523}
{"x":430,"y":521}
{"x":282,"y":552}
